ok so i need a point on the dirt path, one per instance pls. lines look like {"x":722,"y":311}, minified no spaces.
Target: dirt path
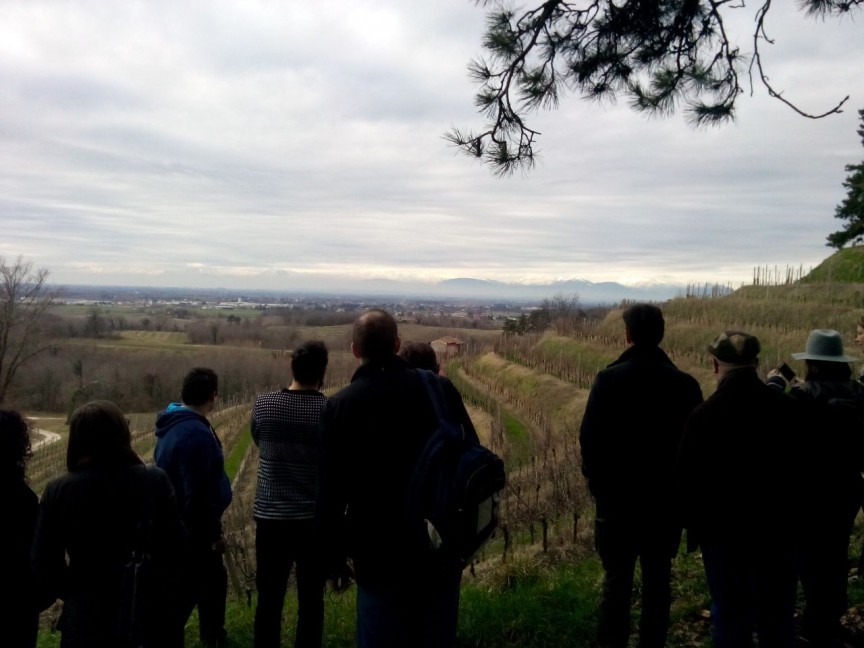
{"x":40,"y":437}
{"x":43,"y":437}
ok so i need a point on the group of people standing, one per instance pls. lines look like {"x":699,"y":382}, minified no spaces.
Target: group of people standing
{"x":332,"y":477}
{"x":129,"y":548}
{"x":766,"y":478}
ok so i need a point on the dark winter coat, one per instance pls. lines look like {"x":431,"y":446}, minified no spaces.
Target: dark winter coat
{"x":19,"y":615}
{"x":188,"y":450}
{"x":94,"y":517}
{"x":630,"y":434}
{"x":834,"y":445}
{"x":374,"y":431}
{"x":741,"y":466}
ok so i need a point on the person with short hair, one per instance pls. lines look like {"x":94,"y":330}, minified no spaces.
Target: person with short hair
{"x":741,"y":478}
{"x":90,"y":519}
{"x":19,"y":615}
{"x":420,"y":355}
{"x":286,"y":427}
{"x":374,"y":432}
{"x":629,"y":438}
{"x":834,"y":402}
{"x":188,"y":449}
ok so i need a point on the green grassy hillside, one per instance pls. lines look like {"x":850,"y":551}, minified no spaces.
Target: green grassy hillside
{"x":844,"y":266}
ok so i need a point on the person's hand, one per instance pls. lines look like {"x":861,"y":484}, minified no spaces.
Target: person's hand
{"x":219,"y":546}
{"x":773,"y":373}
{"x":342,"y":576}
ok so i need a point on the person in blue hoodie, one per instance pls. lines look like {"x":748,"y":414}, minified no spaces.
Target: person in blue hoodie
{"x":188,"y":449}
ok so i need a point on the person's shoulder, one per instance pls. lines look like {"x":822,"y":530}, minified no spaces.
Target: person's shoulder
{"x":191,"y":434}
{"x":265,"y":400}
{"x":57,"y":485}
{"x":348,"y":392}
{"x":687,"y":379}
{"x":155,"y":476}
{"x":20,"y":493}
{"x":178,"y":417}
{"x":271,"y":396}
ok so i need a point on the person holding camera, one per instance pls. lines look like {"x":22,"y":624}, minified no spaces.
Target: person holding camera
{"x":834,"y":402}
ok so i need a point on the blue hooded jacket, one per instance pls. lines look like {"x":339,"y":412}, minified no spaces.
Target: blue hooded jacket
{"x":188,"y":449}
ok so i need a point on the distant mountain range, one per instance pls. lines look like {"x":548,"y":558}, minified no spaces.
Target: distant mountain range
{"x":589,"y":293}
{"x":605,"y":292}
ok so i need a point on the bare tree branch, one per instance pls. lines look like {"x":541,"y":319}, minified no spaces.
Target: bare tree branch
{"x":661,"y":55}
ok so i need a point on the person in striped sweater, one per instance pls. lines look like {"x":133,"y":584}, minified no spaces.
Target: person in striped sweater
{"x":286,"y":427}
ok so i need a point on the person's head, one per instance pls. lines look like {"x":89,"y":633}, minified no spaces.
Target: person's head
{"x":200,"y":387}
{"x":99,"y":437}
{"x":420,"y":355}
{"x":733,"y":350}
{"x":824,"y":357}
{"x":308,"y":363}
{"x":644,"y":325}
{"x":375,"y":335}
{"x":859,"y":332}
{"x":14,"y":444}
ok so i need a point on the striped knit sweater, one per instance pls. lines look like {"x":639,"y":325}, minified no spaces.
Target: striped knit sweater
{"x":286,"y":426}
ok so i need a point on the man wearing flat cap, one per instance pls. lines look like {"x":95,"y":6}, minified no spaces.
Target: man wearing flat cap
{"x":739,"y":468}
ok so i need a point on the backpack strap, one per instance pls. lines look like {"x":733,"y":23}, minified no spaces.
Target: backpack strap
{"x":436,"y":394}
{"x":438,"y":397}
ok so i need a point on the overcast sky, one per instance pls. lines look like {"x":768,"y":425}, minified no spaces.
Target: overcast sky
{"x":278,"y":144}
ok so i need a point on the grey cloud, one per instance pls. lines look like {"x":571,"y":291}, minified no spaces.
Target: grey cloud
{"x":308,"y":136}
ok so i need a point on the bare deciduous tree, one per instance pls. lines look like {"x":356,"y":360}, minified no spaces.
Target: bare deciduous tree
{"x":24,"y":298}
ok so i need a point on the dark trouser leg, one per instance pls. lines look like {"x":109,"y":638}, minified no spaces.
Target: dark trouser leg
{"x":180,"y":597}
{"x":310,"y":588}
{"x":728,"y":574}
{"x":775,"y":583}
{"x":378,"y":617}
{"x":656,"y":563}
{"x":212,"y":593}
{"x":422,"y":613}
{"x":273,"y":556}
{"x":823,"y":579}
{"x":438,"y":614}
{"x":618,"y":552}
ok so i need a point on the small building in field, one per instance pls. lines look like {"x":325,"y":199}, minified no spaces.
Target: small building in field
{"x":447,"y":345}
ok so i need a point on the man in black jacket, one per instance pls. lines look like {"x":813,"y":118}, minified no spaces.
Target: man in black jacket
{"x":629,"y":436}
{"x":374,"y":431}
{"x":743,"y":483}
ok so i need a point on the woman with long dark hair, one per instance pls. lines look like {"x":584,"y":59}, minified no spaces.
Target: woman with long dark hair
{"x":109,"y":514}
{"x":19,"y":616}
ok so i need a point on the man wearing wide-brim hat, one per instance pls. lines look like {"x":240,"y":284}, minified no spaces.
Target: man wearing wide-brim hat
{"x":834,"y":409}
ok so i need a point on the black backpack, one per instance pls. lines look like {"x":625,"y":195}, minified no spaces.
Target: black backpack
{"x":452,"y":497}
